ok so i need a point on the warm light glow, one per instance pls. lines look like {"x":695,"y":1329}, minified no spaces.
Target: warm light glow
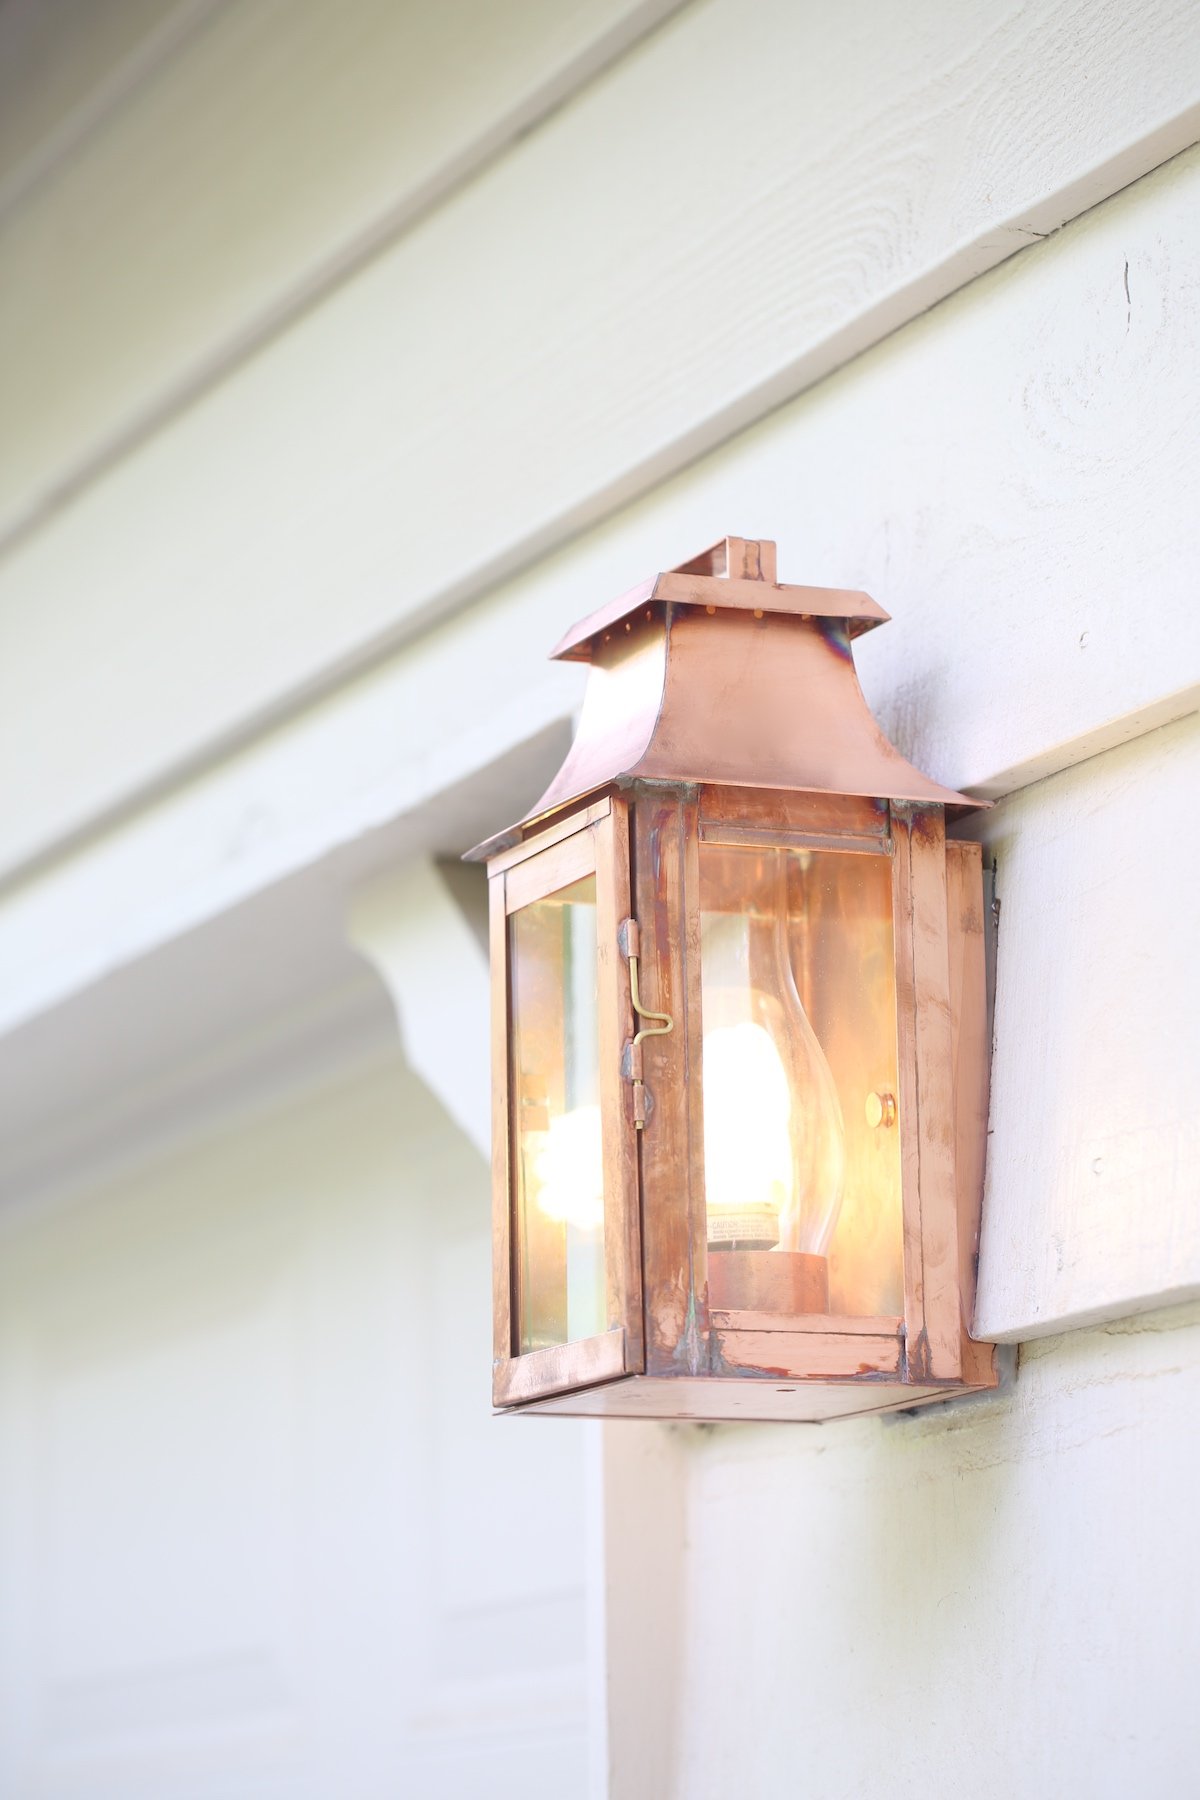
{"x":774,"y":1140}
{"x":747,"y":1145}
{"x":568,"y":1169}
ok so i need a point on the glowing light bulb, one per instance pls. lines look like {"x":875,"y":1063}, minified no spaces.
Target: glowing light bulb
{"x":568,"y":1169}
{"x":747,"y":1144}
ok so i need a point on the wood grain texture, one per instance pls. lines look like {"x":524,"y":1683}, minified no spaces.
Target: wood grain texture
{"x":885,"y":155}
{"x":1090,"y":1206}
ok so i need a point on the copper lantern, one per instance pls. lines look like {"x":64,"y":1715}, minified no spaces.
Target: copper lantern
{"x":739,"y":1050}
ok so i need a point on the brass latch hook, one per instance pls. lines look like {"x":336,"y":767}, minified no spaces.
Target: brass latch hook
{"x":629,"y":940}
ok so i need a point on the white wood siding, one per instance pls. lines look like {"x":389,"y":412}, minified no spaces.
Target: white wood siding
{"x":669,"y":255}
{"x":221,"y":169}
{"x":1012,"y":475}
{"x":294,"y":509}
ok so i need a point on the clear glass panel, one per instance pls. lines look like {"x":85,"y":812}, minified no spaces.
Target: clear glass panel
{"x":557,"y":1143}
{"x":801,"y":1128}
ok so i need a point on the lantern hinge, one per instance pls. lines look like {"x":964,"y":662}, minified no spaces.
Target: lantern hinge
{"x":628,"y":940}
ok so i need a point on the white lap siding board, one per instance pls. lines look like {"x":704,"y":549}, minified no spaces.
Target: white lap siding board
{"x":221,"y":172}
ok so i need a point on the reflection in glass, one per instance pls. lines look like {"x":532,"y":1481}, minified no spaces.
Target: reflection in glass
{"x":798,"y":1000}
{"x":774,"y":1150}
{"x":557,"y":1140}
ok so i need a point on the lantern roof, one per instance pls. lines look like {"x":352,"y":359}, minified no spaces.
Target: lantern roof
{"x":714,"y":672}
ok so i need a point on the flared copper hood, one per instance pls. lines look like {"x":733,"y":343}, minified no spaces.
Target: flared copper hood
{"x":715,"y":672}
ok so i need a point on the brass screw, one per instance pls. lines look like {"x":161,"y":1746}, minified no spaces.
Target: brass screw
{"x":880,"y":1109}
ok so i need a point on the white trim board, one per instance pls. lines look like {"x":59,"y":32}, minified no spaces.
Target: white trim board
{"x":1090,"y":1207}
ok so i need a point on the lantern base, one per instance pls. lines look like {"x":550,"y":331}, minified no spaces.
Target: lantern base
{"x":768,"y":1281}
{"x":713,"y":1400}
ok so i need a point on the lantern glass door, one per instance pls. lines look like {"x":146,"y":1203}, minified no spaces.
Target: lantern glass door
{"x":558,"y":1153}
{"x":802,"y":1166}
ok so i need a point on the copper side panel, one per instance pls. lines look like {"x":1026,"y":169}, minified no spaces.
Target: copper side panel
{"x":930,"y":1202}
{"x":969,"y":1028}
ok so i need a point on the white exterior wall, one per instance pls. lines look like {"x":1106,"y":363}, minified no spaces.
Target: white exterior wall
{"x":284,"y":536}
{"x":258,"y":1531}
{"x":995,"y":1603}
